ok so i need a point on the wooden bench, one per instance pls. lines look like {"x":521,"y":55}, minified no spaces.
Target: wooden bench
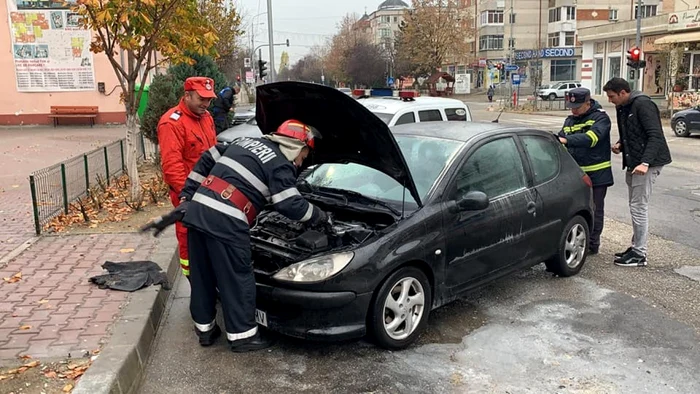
{"x":75,"y":111}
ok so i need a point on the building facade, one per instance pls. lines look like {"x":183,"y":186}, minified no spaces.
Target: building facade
{"x":670,"y":44}
{"x":540,"y":36}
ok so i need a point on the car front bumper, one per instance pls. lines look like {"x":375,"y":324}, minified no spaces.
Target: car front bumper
{"x":314,"y":315}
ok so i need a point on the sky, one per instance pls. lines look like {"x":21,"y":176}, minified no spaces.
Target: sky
{"x":304,"y":22}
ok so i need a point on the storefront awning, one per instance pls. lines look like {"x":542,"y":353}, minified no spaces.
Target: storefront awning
{"x":676,"y":38}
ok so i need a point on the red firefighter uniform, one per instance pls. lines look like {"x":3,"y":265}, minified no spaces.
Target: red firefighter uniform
{"x":183,"y":136}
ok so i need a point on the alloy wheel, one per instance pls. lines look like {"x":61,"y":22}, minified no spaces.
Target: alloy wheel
{"x":403,"y":308}
{"x":575,"y":247}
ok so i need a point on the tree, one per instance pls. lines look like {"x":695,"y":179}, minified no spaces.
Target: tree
{"x":366,"y":66}
{"x":433,"y":32}
{"x":167,"y":90}
{"x":284,"y":60}
{"x":140,"y":29}
{"x":226,"y":22}
{"x":350,"y":33}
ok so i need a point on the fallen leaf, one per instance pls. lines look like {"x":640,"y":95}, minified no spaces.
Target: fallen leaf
{"x":43,"y":301}
{"x":13,"y":371}
{"x":25,"y":357}
{"x":32,"y":364}
{"x":51,"y":374}
{"x":14,"y":278}
{"x":72,"y":366}
{"x":21,"y":369}
{"x":25,"y":327}
{"x":67,"y":388}
{"x":127,"y":250}
{"x":3,"y":377}
{"x":15,"y":186}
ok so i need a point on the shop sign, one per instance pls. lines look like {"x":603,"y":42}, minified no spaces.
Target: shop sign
{"x":545,"y":53}
{"x":684,"y":20}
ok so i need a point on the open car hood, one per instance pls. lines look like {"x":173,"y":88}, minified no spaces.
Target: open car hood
{"x":350,"y":132}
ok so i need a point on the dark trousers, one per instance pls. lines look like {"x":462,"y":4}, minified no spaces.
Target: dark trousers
{"x":599,"y":193}
{"x":215,"y":264}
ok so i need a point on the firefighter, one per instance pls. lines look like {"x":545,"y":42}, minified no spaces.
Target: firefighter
{"x":586,"y":135}
{"x":184,"y":133}
{"x":224,"y":192}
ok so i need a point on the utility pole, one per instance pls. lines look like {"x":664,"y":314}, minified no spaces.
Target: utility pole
{"x":637,"y":83}
{"x":511,"y":54}
{"x":272,"y":42}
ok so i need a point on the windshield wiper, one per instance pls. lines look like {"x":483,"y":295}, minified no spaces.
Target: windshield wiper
{"x":358,"y":196}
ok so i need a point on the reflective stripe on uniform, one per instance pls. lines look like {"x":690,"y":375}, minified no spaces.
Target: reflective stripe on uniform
{"x":593,"y":136}
{"x":247,"y":175}
{"x":242,"y":335}
{"x":214,"y":153}
{"x":596,"y":167}
{"x":220,"y":206}
{"x":285,"y":194}
{"x":308,"y":214}
{"x":578,"y":127}
{"x":185,"y":266}
{"x":205,"y":327}
{"x":195,"y":176}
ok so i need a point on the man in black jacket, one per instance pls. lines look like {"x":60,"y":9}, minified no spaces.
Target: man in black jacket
{"x":644,"y":153}
{"x":586,"y":134}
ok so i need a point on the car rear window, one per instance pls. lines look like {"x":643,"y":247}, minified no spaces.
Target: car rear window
{"x":456,"y":114}
{"x":544,"y":157}
{"x":408,"y":117}
{"x":432,"y":115}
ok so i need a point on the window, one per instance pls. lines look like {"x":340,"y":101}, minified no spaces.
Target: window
{"x":511,"y":43}
{"x":461,"y":69}
{"x":570,"y":38}
{"x":562,"y":70}
{"x":570,"y":13}
{"x":511,"y":18}
{"x":613,"y":15}
{"x":408,"y":117}
{"x":553,"y":39}
{"x":386,"y":19}
{"x":459,"y":114}
{"x":492,"y":18}
{"x":544,"y":157}
{"x":491,"y":42}
{"x":495,"y":168}
{"x":554,"y":15}
{"x":396,"y":19}
{"x":385,"y":32}
{"x":647,"y":11}
{"x":615,"y":64}
{"x":432,"y":115}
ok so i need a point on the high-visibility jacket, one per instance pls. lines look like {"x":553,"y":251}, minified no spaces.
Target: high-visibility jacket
{"x":588,"y":142}
{"x":257,"y":174}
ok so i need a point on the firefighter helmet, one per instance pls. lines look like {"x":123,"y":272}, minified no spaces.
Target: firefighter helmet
{"x":300,"y":131}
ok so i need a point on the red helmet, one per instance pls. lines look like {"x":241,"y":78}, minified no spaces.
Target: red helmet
{"x":300,"y":131}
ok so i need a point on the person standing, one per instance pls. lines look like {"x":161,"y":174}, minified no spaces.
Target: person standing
{"x":644,"y":153}
{"x":586,"y":135}
{"x":184,"y":133}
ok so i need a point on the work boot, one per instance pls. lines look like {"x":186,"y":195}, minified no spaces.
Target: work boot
{"x":256,"y":342}
{"x":207,"y":338}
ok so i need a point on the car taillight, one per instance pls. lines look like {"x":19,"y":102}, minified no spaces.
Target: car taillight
{"x":587,"y":180}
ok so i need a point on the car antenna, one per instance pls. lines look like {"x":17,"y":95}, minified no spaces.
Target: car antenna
{"x":499,"y":115}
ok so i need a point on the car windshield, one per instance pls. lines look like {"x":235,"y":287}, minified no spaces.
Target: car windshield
{"x":386,"y":118}
{"x":426,"y":158}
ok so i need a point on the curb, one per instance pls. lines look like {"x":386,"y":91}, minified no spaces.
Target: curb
{"x":118,"y":368}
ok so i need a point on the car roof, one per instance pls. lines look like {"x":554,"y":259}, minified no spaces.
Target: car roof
{"x":459,"y":131}
{"x":393,"y":105}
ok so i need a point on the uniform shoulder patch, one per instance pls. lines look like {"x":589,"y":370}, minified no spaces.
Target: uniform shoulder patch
{"x":175,"y":115}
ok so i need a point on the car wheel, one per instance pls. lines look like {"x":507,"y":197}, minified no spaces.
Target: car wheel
{"x":573,"y":249}
{"x":401,"y":308}
{"x":552,"y":97}
{"x":681,"y":128}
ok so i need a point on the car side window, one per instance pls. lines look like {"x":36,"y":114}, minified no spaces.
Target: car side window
{"x":432,"y":115}
{"x":408,"y":117}
{"x":544,"y":157}
{"x":494,"y":168}
{"x":456,"y":114}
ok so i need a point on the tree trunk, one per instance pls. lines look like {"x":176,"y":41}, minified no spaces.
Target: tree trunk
{"x":132,"y":149}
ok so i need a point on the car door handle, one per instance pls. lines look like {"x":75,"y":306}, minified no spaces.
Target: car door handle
{"x":531,"y":207}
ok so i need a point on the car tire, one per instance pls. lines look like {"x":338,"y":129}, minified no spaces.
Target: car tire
{"x":552,"y":97}
{"x":680,"y":127}
{"x":388,"y":302}
{"x":572,"y":250}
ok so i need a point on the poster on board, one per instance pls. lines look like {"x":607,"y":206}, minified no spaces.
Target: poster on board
{"x":51,"y":51}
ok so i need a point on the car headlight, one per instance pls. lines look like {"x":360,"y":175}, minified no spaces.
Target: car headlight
{"x":316,"y":269}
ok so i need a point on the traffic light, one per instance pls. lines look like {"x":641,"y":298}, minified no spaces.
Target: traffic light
{"x":633,"y":57}
{"x":261,"y":69}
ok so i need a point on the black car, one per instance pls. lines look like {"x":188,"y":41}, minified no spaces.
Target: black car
{"x":686,"y":121}
{"x":419,"y":216}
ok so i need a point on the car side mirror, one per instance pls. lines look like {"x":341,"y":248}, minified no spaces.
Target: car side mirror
{"x":473,"y":201}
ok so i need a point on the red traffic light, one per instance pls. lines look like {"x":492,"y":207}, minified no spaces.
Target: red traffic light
{"x":634,"y":54}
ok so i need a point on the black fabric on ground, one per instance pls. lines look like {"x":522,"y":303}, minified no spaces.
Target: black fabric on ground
{"x":131,"y":276}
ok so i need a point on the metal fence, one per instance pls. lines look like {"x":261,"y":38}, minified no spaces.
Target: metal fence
{"x":54,"y":188}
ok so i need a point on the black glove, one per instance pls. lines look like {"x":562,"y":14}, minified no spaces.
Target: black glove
{"x":165,"y":221}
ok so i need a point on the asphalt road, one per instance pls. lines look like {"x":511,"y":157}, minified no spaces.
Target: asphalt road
{"x":608,"y":330}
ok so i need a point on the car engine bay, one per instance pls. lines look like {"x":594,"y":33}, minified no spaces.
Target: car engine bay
{"x":278,"y":241}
